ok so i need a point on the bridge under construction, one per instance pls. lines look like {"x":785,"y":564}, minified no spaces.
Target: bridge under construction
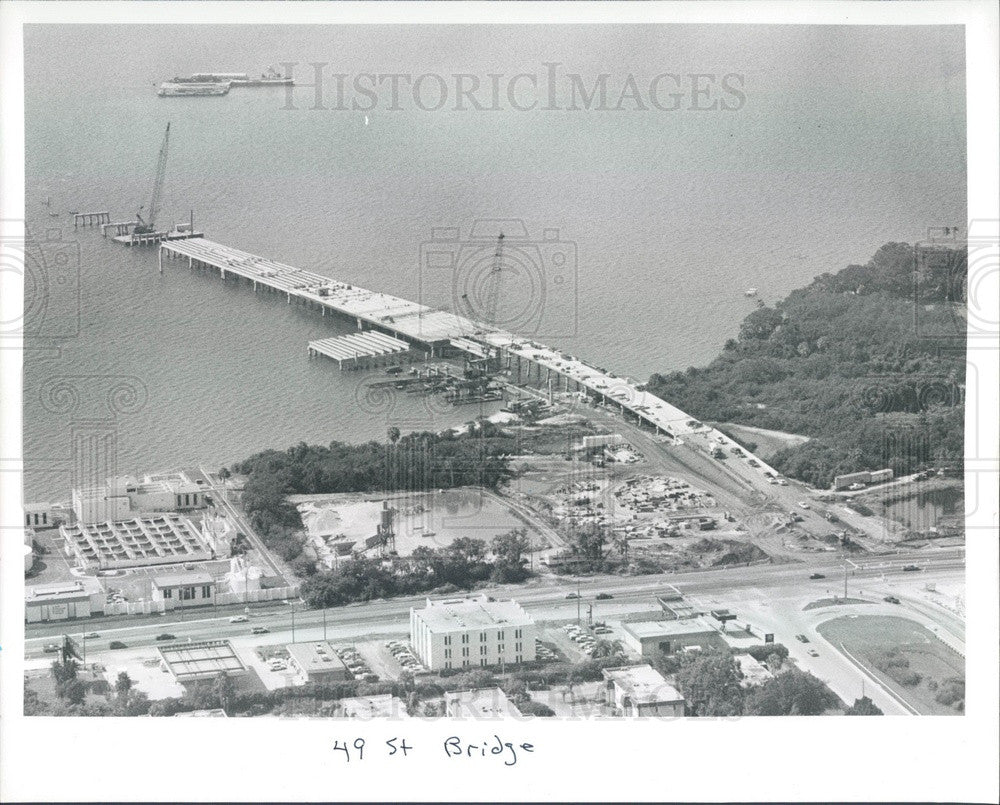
{"x":437,"y":332}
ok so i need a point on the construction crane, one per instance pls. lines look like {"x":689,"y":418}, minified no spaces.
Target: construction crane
{"x":149,"y":223}
{"x":492,"y":292}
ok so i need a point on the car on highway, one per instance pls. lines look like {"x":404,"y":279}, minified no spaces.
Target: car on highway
{"x":772,"y":480}
{"x":51,"y":648}
{"x":91,"y":636}
{"x":802,"y":638}
{"x":572,"y":595}
{"x":803,"y":505}
{"x":891,"y":599}
{"x":239,"y":619}
{"x":604,"y":596}
{"x":855,"y":487}
{"x":166,"y":636}
{"x":753,"y":463}
{"x":782,"y":482}
{"x":259,"y":630}
{"x":817,"y":576}
{"x":116,"y":644}
{"x":813,"y":652}
{"x":910,"y":568}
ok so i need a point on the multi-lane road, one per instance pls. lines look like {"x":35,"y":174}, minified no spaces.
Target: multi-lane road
{"x":545,"y":599}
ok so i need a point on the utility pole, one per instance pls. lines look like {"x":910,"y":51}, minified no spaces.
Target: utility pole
{"x":578,"y":602}
{"x":324,"y":624}
{"x":293,"y":623}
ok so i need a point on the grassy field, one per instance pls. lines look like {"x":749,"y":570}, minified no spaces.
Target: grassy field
{"x":905,"y":657}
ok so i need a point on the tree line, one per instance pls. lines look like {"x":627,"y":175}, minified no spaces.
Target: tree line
{"x":872,"y":373}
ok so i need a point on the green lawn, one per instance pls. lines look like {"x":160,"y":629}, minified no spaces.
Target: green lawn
{"x":906,"y":657}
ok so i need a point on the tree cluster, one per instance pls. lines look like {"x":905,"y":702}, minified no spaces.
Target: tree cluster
{"x":841,"y":361}
{"x":417,"y":462}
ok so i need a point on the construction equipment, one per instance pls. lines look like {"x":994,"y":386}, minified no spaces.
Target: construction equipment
{"x":492,"y":291}
{"x":148,"y":224}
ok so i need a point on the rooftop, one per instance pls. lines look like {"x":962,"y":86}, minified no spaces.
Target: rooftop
{"x":315,"y":657}
{"x":183,"y":580}
{"x":188,"y":661}
{"x":480,"y":703}
{"x":62,"y":591}
{"x":460,"y":614}
{"x":218,"y":712}
{"x":643,"y":684}
{"x":641,"y":629}
{"x":382,"y":706}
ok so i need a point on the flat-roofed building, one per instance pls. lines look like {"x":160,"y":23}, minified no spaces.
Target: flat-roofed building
{"x":479,"y":704}
{"x":639,"y":690}
{"x":317,"y":663}
{"x":43,"y":515}
{"x":470,"y":632}
{"x":217,"y":712}
{"x":124,"y":495}
{"x":155,"y":540}
{"x":63,"y":600}
{"x":184,"y":590}
{"x":649,"y":637}
{"x":384,"y":705}
{"x":190,"y":662}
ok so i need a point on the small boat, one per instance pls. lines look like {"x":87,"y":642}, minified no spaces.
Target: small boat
{"x":430,"y":533}
{"x":750,"y":292}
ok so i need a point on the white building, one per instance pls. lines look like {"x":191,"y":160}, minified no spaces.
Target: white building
{"x":184,"y":590}
{"x":366,"y":708}
{"x":472,"y":632}
{"x":640,"y":690}
{"x":480,"y":704}
{"x":63,"y":600}
{"x":42,"y":515}
{"x":122,"y":496}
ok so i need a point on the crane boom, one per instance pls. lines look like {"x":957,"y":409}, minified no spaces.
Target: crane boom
{"x":149,"y":225}
{"x":493,"y":286}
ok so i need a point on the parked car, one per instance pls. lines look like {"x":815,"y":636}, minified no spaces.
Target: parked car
{"x":782,"y":482}
{"x":803,"y":504}
{"x":259,"y":630}
{"x":813,"y":652}
{"x":166,"y":636}
{"x":753,"y":463}
{"x":51,"y":648}
{"x":802,"y":638}
{"x":604,"y":596}
{"x":855,"y":487}
{"x":891,"y":599}
{"x":239,"y":619}
{"x":817,"y":576}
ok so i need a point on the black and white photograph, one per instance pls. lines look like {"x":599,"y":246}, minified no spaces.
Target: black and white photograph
{"x":525,"y":392}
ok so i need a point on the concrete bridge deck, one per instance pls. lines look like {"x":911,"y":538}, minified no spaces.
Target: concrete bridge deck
{"x":438,"y":329}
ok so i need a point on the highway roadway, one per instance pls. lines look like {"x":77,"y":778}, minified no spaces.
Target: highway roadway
{"x":544,"y":598}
